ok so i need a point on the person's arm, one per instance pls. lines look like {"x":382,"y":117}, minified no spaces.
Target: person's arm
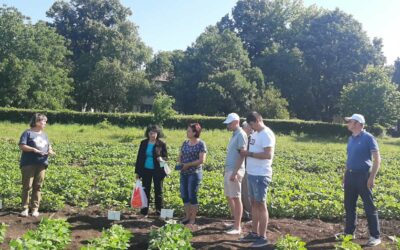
{"x":239,"y":163}
{"x":376,"y":159}
{"x":51,"y":151}
{"x":138,"y":160}
{"x":201,"y":160}
{"x":27,"y":148}
{"x":266,"y":154}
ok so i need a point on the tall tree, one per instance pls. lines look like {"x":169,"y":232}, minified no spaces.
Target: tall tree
{"x":396,"y":72}
{"x":33,"y":66}
{"x":374,"y":95}
{"x":99,"y":31}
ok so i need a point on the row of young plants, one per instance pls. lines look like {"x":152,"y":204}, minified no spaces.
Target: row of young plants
{"x":94,"y":165}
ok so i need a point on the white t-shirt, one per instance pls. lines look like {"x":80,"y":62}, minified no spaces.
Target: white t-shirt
{"x":258,"y":141}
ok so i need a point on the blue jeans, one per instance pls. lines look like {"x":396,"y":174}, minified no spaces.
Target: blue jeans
{"x":258,"y":187}
{"x":190,"y":184}
{"x":355,"y":184}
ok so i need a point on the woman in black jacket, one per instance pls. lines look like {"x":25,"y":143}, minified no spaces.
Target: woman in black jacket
{"x":151,"y":152}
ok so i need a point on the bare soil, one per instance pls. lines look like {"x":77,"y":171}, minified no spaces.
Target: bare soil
{"x":208,"y":233}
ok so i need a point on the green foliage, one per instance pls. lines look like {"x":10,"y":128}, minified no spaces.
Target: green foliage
{"x":347,"y":244}
{"x":171,"y":236}
{"x":3,"y":230}
{"x":374,"y":96}
{"x":397,"y":242}
{"x":396,"y":72}
{"x":290,"y":243}
{"x":115,"y":238}
{"x":377,"y":130}
{"x":162,"y":108}
{"x":51,"y":234}
{"x":34,"y":71}
{"x":177,"y":121}
{"x":108,"y":54}
{"x":271,"y":104}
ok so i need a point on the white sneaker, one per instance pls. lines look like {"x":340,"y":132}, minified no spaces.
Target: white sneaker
{"x":233,"y":231}
{"x":25,"y":213}
{"x":373,"y":241}
{"x":35,"y":213}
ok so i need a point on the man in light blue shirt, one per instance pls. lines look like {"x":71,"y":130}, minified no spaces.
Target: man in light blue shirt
{"x":234,"y":170}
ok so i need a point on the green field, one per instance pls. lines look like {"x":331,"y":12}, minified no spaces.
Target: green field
{"x":94,"y":166}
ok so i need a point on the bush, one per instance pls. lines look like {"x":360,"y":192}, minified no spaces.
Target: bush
{"x":377,"y":130}
{"x":117,"y":237}
{"x":290,"y":243}
{"x":3,"y":229}
{"x":347,"y":244}
{"x":171,"y":236}
{"x":178,"y":121}
{"x":51,"y":234}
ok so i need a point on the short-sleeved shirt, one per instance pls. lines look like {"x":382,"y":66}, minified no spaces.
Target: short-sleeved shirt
{"x":191,"y":153}
{"x":359,"y":151}
{"x":149,"y":163}
{"x":238,"y":141}
{"x":36,"y":140}
{"x":258,"y":141}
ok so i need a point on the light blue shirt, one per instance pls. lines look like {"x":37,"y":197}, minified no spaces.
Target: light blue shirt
{"x":149,"y":163}
{"x":238,"y":141}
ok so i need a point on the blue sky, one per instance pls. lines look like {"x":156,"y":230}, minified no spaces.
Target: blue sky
{"x":175,"y":24}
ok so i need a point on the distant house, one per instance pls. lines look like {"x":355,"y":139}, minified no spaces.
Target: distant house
{"x":147,"y":101}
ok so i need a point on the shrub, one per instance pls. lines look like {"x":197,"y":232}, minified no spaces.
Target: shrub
{"x":51,"y":234}
{"x":117,"y":237}
{"x":171,"y":236}
{"x":3,"y":229}
{"x":290,"y":243}
{"x":377,"y":130}
{"x":347,"y":244}
{"x":177,"y":121}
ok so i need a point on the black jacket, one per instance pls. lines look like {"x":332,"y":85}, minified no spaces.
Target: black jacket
{"x":159,"y":149}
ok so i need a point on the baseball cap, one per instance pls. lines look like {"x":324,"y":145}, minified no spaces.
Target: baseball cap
{"x":232,"y":117}
{"x":356,"y":117}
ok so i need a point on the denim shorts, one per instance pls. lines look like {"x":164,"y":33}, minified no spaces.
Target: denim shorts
{"x":258,"y":187}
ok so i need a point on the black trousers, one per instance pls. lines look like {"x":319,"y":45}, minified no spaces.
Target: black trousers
{"x":148,"y":177}
{"x":355,"y":185}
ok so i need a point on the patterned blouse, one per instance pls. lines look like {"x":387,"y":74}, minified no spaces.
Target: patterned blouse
{"x":191,"y":153}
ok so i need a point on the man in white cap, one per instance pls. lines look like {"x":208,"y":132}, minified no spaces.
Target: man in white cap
{"x":234,"y":170}
{"x":363,"y":162}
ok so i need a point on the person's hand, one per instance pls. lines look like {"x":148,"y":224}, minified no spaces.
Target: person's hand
{"x":137,"y":177}
{"x":37,"y":151}
{"x":185,"y":167}
{"x":233,"y":176}
{"x":51,"y":152}
{"x":243,"y":152}
{"x":371,"y":182}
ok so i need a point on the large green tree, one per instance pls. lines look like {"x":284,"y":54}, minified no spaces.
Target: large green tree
{"x":396,"y":72}
{"x":33,"y":66}
{"x":99,"y":31}
{"x":373,"y":95}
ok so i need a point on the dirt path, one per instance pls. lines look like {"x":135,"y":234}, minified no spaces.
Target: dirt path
{"x":207,"y":234}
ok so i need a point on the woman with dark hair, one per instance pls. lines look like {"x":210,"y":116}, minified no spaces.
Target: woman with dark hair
{"x":191,"y":159}
{"x":36,"y":148}
{"x":152,"y":152}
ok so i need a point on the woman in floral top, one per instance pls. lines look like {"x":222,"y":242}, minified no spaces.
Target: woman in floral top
{"x":191,"y":158}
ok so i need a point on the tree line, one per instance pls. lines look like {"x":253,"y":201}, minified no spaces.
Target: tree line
{"x":275,"y":56}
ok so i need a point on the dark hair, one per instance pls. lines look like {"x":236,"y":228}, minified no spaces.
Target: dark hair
{"x":35,"y":118}
{"x":155,"y":128}
{"x":196,"y":128}
{"x":253,"y":117}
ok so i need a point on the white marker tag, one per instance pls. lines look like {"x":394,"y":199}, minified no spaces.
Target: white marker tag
{"x":114,"y":215}
{"x":167,"y":213}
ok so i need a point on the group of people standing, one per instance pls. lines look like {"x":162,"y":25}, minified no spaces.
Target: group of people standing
{"x":247,"y":171}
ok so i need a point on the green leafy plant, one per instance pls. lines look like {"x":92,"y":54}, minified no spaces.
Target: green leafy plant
{"x":290,"y":243}
{"x":117,"y":237}
{"x":52,"y":234}
{"x":171,"y":236}
{"x":347,"y":243}
{"x":3,"y":230}
{"x":162,"y":108}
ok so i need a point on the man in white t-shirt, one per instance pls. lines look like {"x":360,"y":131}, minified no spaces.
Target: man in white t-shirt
{"x":259,"y":158}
